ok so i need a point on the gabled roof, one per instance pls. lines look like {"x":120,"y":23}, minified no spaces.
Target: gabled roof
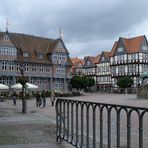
{"x":34,"y":45}
{"x":132,"y":45}
{"x":106,"y":54}
{"x":113,"y":49}
{"x":94,"y":60}
{"x":76,"y":61}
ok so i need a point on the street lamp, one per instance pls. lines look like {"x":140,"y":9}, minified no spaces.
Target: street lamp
{"x":23,"y":81}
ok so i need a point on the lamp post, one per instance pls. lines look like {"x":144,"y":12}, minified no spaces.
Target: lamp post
{"x":23,"y":82}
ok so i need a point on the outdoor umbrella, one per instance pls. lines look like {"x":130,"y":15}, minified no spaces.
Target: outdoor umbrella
{"x":2,"y":86}
{"x":17,"y":86}
{"x":28,"y":86}
{"x":31,"y":86}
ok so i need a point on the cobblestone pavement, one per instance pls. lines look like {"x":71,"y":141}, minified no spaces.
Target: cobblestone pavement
{"x":35,"y":129}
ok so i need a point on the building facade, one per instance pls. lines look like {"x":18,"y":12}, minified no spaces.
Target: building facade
{"x":77,"y":68}
{"x":103,"y":73}
{"x":129,"y":57}
{"x":46,"y":61}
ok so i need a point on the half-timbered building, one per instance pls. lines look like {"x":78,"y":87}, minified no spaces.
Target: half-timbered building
{"x":103,"y":73}
{"x":129,"y":57}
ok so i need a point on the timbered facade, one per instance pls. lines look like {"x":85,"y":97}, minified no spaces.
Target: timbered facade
{"x":129,"y":57}
{"x":103,"y":73}
{"x":47,"y":63}
{"x":90,"y":66}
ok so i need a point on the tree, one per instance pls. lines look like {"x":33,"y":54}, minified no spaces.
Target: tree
{"x":125,"y":82}
{"x":91,"y":82}
{"x":23,"y":80}
{"x":81,"y":82}
{"x":75,"y":82}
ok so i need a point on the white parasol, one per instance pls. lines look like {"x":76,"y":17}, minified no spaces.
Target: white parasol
{"x":2,"y":86}
{"x":28,"y":86}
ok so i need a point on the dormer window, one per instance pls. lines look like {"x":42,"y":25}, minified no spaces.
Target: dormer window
{"x":25,"y":54}
{"x":40,"y":56}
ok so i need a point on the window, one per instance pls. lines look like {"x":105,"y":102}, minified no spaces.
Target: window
{"x":6,"y":38}
{"x":34,"y":68}
{"x":120,"y":49}
{"x":26,"y":67}
{"x":144,"y":47}
{"x":4,"y":65}
{"x":17,"y":67}
{"x":41,"y":68}
{"x":88,"y":63}
{"x":48,"y":69}
{"x":11,"y":66}
{"x":40,"y":56}
{"x":25,"y":54}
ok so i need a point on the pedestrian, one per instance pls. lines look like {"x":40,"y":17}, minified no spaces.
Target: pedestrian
{"x":43,"y":94}
{"x":40,"y":99}
{"x":14,"y":98}
{"x":52,"y":97}
{"x":37,"y":95}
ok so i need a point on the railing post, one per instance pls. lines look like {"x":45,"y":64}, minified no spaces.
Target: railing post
{"x":77,"y":127}
{"x":82,"y":118}
{"x":94,"y":126}
{"x":109,"y":127}
{"x":67,"y":119}
{"x":101,"y":127}
{"x":64,"y":117}
{"x":72,"y":122}
{"x":87,"y":125}
{"x":118,"y":128}
{"x":141,"y":130}
{"x":129,"y":130}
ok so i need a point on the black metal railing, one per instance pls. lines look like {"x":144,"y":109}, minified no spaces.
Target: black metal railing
{"x":99,"y":125}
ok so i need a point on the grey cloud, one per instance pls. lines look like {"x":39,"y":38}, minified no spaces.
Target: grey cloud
{"x":86,"y":24}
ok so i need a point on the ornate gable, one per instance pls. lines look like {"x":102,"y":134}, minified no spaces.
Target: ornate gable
{"x":144,"y":46}
{"x":60,"y":47}
{"x":5,"y":40}
{"x":88,"y":63}
{"x":120,"y":48}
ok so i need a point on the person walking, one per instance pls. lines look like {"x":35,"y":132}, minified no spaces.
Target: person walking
{"x":43,"y":94}
{"x":52,"y":97}
{"x":37,"y":95}
{"x":14,"y":98}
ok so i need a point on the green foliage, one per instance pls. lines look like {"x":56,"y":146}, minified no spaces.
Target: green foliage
{"x":125,"y":82}
{"x":75,"y":82}
{"x":22,"y":80}
{"x":81,"y":82}
{"x":91,"y":82}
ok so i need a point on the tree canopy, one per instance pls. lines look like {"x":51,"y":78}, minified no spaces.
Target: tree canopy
{"x":81,"y":82}
{"x":125,"y":82}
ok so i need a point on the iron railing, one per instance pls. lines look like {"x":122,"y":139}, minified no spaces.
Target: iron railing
{"x":99,"y":125}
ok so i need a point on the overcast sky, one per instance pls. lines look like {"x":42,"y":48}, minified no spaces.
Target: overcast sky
{"x":89,"y":26}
